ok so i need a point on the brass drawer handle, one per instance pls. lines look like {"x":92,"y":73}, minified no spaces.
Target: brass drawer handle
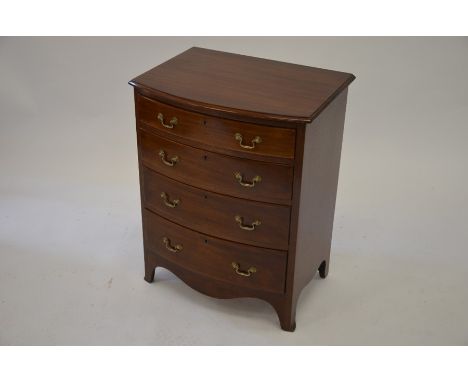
{"x":175,"y":248}
{"x":249,"y":272}
{"x":239,"y":138}
{"x":251,"y":227}
{"x":172,"y":122}
{"x":167,"y":202}
{"x":244,"y":183}
{"x":171,"y":162}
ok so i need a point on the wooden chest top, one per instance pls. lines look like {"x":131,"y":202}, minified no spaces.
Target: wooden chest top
{"x":241,"y":87}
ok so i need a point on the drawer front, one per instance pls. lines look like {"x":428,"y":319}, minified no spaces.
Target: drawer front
{"x":215,"y":172}
{"x":256,"y":223}
{"x":239,"y":264}
{"x":217,"y":134}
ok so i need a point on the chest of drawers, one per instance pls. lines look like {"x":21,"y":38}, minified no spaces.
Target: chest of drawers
{"x":238,"y":161}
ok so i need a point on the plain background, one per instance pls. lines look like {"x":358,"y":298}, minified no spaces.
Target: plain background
{"x":71,"y":263}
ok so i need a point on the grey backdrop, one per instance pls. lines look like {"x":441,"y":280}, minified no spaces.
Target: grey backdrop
{"x":71,"y":265}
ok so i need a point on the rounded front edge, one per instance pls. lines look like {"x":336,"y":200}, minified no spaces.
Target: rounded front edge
{"x":222,"y":290}
{"x":221,"y":111}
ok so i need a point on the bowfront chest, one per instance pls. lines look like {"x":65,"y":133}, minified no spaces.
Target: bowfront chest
{"x":238,"y":161}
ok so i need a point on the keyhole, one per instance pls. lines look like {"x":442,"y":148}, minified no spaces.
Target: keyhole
{"x":206,"y":241}
{"x":205,"y":157}
{"x":206,"y":197}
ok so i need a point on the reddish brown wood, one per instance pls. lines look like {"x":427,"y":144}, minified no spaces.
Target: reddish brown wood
{"x":216,"y":288}
{"x":299,"y":168}
{"x":242,"y":87}
{"x":314,"y":195}
{"x":214,"y":214}
{"x":212,"y":257}
{"x":215,"y":172}
{"x":217,"y":134}
{"x":322,"y":151}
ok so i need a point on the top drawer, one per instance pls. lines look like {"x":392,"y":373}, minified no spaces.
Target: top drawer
{"x":241,"y":139}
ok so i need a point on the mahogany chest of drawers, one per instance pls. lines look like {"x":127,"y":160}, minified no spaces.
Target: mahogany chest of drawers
{"x":238,"y":160}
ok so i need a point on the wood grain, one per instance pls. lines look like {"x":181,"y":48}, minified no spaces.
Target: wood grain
{"x":217,"y":134}
{"x":312,"y":211}
{"x":237,"y":86}
{"x":215,"y":172}
{"x":322,"y":153}
{"x":212,"y":257}
{"x":214,"y":214}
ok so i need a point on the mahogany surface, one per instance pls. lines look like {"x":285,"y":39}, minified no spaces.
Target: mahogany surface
{"x":215,"y":172}
{"x":217,"y":134}
{"x":213,"y":257}
{"x":298,"y":112}
{"x":214,"y":214}
{"x":217,"y":82}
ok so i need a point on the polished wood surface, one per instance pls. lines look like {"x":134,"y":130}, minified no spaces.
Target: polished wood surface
{"x":190,"y":196}
{"x":217,"y":134}
{"x":213,"y":257}
{"x":215,"y":172}
{"x":210,"y":286}
{"x":226,"y":84}
{"x":312,"y":211}
{"x":322,"y":149}
{"x":214,"y":214}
